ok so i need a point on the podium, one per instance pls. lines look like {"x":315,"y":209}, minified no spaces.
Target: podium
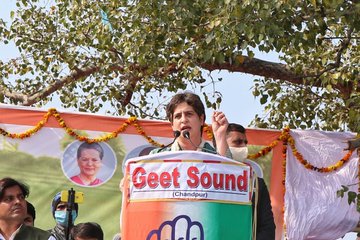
{"x":186,"y":195}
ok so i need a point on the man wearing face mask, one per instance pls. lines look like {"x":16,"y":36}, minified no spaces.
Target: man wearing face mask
{"x":59,"y":212}
{"x":262,"y":212}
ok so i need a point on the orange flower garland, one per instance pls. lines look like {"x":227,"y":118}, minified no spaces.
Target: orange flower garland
{"x":53,"y":112}
{"x":208,"y":130}
{"x":263,"y":151}
{"x":309,"y":166}
{"x":29,"y":132}
{"x":141,"y":132}
{"x":285,"y":137}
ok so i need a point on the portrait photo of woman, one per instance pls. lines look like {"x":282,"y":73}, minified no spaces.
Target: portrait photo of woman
{"x":89,"y":164}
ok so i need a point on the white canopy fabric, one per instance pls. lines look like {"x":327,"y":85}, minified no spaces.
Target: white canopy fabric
{"x":312,"y":208}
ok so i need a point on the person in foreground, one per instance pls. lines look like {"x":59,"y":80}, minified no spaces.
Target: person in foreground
{"x":265,"y":226}
{"x":186,"y":114}
{"x":13,"y":211}
{"x":87,"y":231}
{"x":59,"y":212}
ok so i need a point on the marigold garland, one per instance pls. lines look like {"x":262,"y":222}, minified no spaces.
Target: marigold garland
{"x":285,"y":137}
{"x":29,"y":132}
{"x":208,"y":130}
{"x":309,"y":166}
{"x":53,"y":112}
{"x":263,"y":151}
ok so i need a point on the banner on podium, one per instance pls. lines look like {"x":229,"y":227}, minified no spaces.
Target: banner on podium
{"x":187,"y":195}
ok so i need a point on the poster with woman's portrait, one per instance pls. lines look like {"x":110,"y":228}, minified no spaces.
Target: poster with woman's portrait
{"x":88,"y":164}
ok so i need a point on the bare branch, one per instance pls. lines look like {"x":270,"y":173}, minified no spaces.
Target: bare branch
{"x":13,"y":95}
{"x":281,"y":71}
{"x":162,"y":72}
{"x":256,"y":66}
{"x":242,"y":64}
{"x":58,"y":84}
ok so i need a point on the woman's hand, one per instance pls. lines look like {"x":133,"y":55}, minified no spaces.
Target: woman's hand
{"x":219,"y":127}
{"x":219,"y":123}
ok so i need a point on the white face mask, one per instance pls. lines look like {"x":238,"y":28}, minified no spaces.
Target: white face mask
{"x":239,"y":153}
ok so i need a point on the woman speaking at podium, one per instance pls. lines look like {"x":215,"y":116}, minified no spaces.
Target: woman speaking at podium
{"x":186,"y":114}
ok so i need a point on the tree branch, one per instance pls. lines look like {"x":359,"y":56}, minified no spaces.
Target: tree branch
{"x":280,"y":71}
{"x":344,"y":89}
{"x":162,"y":72}
{"x":256,"y":67}
{"x":58,"y":84}
{"x":13,"y":95}
{"x":242,"y":64}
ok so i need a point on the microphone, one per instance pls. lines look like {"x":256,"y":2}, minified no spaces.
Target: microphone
{"x":176,"y":135}
{"x":186,"y":134}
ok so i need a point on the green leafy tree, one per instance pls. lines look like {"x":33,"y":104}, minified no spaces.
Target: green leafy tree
{"x":124,"y":53}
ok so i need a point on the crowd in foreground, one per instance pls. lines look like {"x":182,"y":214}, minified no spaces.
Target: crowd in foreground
{"x":17,"y":217}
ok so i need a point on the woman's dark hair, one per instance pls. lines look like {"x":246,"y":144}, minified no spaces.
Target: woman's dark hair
{"x":87,"y":230}
{"x":10,"y":182}
{"x":95,"y":146}
{"x":189,"y":98}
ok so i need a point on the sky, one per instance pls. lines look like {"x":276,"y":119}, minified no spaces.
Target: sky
{"x":238,"y":103}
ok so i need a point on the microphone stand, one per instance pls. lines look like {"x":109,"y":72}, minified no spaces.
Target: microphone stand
{"x":186,"y":134}
{"x":70,"y":207}
{"x":176,"y":135}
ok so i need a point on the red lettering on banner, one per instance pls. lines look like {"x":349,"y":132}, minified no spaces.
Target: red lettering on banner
{"x":153,"y":180}
{"x":192,"y":171}
{"x":230,"y":182}
{"x":242,"y":183}
{"x":142,"y":180}
{"x":175,"y":174}
{"x":218,"y":181}
{"x":165,"y":179}
{"x":207,"y":180}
